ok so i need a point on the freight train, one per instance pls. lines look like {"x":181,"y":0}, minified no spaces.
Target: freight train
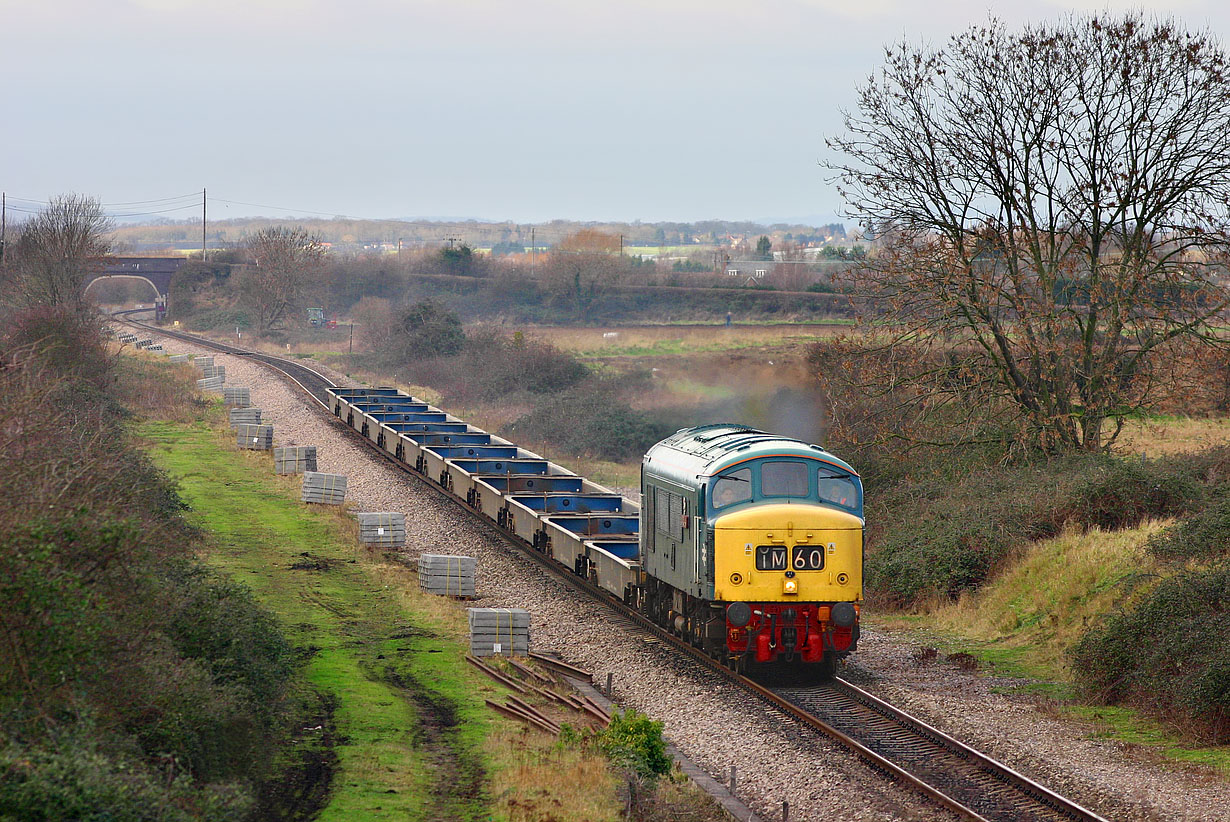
{"x":746,"y":544}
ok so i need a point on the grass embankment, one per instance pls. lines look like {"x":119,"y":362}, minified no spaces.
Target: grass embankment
{"x":411,"y":735}
{"x":1024,"y":620}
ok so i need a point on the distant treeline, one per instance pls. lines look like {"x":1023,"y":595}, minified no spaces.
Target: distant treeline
{"x":344,"y":231}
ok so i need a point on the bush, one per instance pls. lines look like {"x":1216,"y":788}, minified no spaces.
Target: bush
{"x":63,"y":342}
{"x":134,"y":684}
{"x":183,"y":661}
{"x":427,"y":329}
{"x":225,"y":319}
{"x":634,"y":742}
{"x":1203,"y":536}
{"x":73,"y":775}
{"x":492,"y":366}
{"x":947,"y":557}
{"x":1170,"y":655}
{"x":947,"y":525}
{"x":1124,"y":493}
{"x":590,"y":420}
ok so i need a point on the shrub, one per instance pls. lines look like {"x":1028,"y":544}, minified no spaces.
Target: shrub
{"x":946,"y":525}
{"x":1124,"y":493}
{"x":591,"y":420}
{"x":134,"y":683}
{"x":634,"y":741}
{"x":1170,"y":655}
{"x":72,"y":776}
{"x":64,"y":342}
{"x":427,"y":329}
{"x":492,"y":366}
{"x":1203,"y":536}
{"x":947,"y":557}
{"x":225,"y":319}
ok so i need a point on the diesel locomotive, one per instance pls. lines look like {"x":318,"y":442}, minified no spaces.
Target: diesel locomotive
{"x":752,"y":546}
{"x":747,"y":544}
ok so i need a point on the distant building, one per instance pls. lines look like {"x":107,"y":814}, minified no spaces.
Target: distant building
{"x":778,"y":273}
{"x":748,"y":272}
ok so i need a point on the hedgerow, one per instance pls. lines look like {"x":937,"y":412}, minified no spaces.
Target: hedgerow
{"x":948,"y":531}
{"x":1169,"y":655}
{"x":135,"y":684}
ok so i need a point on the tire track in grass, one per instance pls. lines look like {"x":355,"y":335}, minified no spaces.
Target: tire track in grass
{"x":408,"y":740}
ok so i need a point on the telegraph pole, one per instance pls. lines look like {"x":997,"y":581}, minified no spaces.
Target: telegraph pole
{"x":4,"y":213}
{"x":533,"y":255}
{"x":621,"y":245}
{"x":203,"y":201}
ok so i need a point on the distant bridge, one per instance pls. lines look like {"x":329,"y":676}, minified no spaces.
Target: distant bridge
{"x":157,"y":271}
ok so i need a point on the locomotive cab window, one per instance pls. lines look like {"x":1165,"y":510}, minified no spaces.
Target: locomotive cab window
{"x":732,"y":487}
{"x":784,"y":479}
{"x":839,"y":489}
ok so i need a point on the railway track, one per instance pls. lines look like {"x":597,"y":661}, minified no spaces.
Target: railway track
{"x":903,"y":748}
{"x":313,"y":383}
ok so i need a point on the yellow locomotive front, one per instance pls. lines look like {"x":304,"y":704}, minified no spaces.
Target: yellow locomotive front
{"x":752,"y":546}
{"x":787,"y":536}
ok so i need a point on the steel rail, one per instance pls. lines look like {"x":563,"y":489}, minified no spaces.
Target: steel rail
{"x":1049,"y":799}
{"x":998,"y":769}
{"x":281,"y":364}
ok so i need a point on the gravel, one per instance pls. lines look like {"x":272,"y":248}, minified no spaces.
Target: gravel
{"x":717,"y":725}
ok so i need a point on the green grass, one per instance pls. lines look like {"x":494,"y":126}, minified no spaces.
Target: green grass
{"x":1026,"y":617}
{"x":349,"y":615}
{"x":1127,"y":725}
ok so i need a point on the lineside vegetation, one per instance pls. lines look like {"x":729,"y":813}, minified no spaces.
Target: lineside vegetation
{"x":1050,"y":208}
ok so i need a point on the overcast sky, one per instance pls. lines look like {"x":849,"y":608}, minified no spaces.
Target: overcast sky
{"x":492,"y":109}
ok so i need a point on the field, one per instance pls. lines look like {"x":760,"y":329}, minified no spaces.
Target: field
{"x":1165,"y":436}
{"x":684,"y":339}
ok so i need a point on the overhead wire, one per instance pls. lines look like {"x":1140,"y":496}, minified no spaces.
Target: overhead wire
{"x":196,"y":195}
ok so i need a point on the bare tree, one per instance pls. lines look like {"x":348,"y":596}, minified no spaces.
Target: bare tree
{"x":581,"y":267}
{"x":1050,"y":209}
{"x":57,"y":251}
{"x":285,"y":260}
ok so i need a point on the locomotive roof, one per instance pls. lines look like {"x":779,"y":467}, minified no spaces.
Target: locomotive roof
{"x":691,"y":453}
